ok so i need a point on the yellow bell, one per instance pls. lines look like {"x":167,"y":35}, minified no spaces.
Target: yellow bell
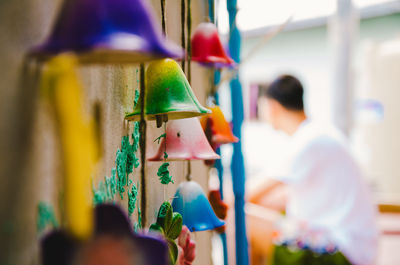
{"x":61,"y":86}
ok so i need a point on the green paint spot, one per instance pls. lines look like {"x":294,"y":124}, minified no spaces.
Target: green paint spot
{"x":137,"y":92}
{"x":126,"y":159}
{"x":163,"y":173}
{"x":111,"y":184}
{"x":106,"y":190}
{"x":45,"y":216}
{"x":99,"y":194}
{"x":139,"y":223}
{"x":132,"y":198}
{"x":136,"y":98}
{"x":135,"y":145}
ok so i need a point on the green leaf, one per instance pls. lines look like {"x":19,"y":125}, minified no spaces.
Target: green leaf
{"x":176,"y":226}
{"x":164,"y":218}
{"x":173,"y":251}
{"x":157,"y":228}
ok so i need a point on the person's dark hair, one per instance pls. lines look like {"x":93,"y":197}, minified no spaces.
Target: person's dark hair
{"x":287,"y":90}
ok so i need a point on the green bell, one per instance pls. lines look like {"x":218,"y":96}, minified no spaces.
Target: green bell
{"x":168,"y":94}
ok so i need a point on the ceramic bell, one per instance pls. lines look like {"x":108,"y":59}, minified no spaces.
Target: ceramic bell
{"x":104,"y":31}
{"x":168,"y":94}
{"x":185,"y":140}
{"x":217,"y":128}
{"x":207,"y":48}
{"x":62,"y":88}
{"x":191,"y":202}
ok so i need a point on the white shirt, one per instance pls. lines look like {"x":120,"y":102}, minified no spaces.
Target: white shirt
{"x":327,"y":192}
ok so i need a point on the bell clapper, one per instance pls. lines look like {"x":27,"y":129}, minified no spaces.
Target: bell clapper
{"x":160,"y":119}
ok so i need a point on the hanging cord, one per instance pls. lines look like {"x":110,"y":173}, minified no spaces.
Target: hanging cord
{"x":189,"y":171}
{"x":213,"y":89}
{"x":189,"y":44}
{"x":163,"y":26}
{"x":189,"y":72}
{"x":165,"y":157}
{"x":142,"y":143}
{"x":183,"y":10}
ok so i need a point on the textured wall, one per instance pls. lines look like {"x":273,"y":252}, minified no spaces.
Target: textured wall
{"x":30,"y":166}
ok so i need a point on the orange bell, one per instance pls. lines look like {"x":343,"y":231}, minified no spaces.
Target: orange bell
{"x":217,"y":128}
{"x":185,"y":140}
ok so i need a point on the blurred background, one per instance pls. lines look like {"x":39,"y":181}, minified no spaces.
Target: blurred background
{"x":311,"y":48}
{"x":347,"y":55}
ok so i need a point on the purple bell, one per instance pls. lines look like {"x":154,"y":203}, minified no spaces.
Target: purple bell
{"x":107,"y":31}
{"x":113,"y":240}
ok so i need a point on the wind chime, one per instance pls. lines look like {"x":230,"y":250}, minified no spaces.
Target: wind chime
{"x":96,"y":31}
{"x":88,"y":231}
{"x":122,"y":31}
{"x":209,"y":52}
{"x":183,"y":137}
{"x":171,"y":102}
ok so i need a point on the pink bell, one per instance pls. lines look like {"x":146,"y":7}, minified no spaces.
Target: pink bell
{"x":185,"y":140}
{"x":207,"y":48}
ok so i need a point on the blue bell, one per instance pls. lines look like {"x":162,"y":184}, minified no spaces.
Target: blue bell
{"x":191,"y":202}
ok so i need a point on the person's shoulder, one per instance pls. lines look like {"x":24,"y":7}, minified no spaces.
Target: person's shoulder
{"x":325,"y":137}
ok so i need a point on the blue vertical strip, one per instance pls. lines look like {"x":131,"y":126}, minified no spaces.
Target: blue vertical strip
{"x":218,"y":163}
{"x":237,"y":165}
{"x":211,"y":12}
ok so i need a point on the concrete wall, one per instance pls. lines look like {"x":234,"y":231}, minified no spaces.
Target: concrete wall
{"x":30,"y":167}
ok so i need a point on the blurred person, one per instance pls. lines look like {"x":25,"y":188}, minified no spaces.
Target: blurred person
{"x":330,"y":217}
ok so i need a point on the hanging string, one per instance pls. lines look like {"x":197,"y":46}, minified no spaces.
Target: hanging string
{"x":189,"y":44}
{"x":189,"y":171}
{"x":189,"y":72}
{"x":183,"y":9}
{"x":163,"y":26}
{"x":165,"y":157}
{"x":142,"y":143}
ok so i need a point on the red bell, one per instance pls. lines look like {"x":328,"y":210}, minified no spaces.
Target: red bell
{"x":217,"y":129}
{"x":185,"y":140}
{"x":207,"y":48}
